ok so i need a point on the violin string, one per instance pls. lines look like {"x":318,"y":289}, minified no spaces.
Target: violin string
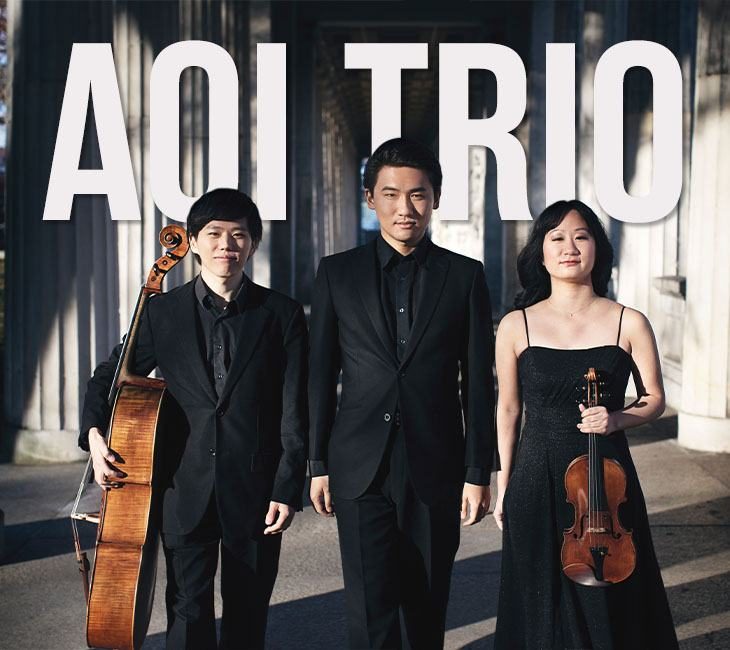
{"x":592,"y":464}
{"x":590,"y":471}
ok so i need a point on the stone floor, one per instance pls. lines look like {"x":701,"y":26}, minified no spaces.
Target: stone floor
{"x":687,"y":493}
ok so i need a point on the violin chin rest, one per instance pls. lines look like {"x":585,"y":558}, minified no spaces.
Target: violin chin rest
{"x":583,"y":575}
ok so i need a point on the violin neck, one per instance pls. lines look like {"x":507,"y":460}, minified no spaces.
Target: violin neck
{"x":596,"y":489}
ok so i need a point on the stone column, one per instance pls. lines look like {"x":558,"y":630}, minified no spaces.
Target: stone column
{"x":60,"y":285}
{"x":259,"y":31}
{"x":467,"y":237}
{"x":603,"y":24}
{"x":335,"y":164}
{"x":648,"y":275}
{"x":71,"y":285}
{"x":532,"y":135}
{"x":704,"y":418}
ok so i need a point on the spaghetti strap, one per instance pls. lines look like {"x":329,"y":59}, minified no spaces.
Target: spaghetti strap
{"x":527,"y":331}
{"x":621,"y":317}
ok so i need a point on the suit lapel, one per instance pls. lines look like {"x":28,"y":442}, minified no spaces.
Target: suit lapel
{"x":366,"y":278}
{"x":186,"y":338}
{"x":430,"y":287}
{"x":250,"y":327}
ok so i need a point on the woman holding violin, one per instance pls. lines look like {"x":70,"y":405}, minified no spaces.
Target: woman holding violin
{"x":550,"y":506}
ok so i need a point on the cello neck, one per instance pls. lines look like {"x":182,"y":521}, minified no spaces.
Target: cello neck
{"x":123,"y":374}
{"x":174,"y":238}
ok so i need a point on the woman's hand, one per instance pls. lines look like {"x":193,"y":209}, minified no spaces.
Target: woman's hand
{"x":596,"y":420}
{"x":498,"y":513}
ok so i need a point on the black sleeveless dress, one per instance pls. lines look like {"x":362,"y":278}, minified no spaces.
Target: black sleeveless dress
{"x":539,"y":607}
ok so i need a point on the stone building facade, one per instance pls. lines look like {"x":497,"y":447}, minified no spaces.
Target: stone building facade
{"x":70,"y":286}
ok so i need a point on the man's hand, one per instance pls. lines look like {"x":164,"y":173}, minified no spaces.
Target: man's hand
{"x":319,"y":493}
{"x":278,"y":518}
{"x":474,"y":503}
{"x":101,"y":459}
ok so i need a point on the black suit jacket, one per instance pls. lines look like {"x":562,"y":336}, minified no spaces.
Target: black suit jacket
{"x":249,"y":443}
{"x":443,"y":387}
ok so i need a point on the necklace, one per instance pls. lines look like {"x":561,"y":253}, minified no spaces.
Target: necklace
{"x":570,"y":314}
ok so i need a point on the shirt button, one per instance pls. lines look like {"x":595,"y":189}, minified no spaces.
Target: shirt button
{"x":401,"y":310}
{"x":218,"y":347}
{"x":220,"y":376}
{"x":403,"y":341}
{"x":403,"y":373}
{"x":221,"y":411}
{"x":386,"y":417}
{"x":212,"y":451}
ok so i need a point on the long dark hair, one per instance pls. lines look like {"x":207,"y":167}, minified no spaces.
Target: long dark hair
{"x":533,"y":275}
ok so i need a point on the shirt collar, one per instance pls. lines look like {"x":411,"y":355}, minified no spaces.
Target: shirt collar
{"x":204,"y":294}
{"x":387,"y":254}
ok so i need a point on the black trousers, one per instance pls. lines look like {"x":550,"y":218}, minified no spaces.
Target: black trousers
{"x":397,"y":556}
{"x":248,"y":572}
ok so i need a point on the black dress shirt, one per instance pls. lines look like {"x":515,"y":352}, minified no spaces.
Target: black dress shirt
{"x":399,"y":275}
{"x":398,"y":278}
{"x":217,"y":328}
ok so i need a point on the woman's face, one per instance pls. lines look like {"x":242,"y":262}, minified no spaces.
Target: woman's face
{"x":569,"y":250}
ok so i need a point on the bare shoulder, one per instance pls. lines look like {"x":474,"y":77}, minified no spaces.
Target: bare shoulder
{"x":636,"y":331}
{"x":511,"y":322}
{"x":511,"y":331}
{"x":634,"y":322}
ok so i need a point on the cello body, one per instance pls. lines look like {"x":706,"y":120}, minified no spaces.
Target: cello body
{"x":121,"y":591}
{"x":125,"y":566}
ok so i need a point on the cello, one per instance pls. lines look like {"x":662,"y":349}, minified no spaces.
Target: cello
{"x":597,"y":551}
{"x":120,"y":591}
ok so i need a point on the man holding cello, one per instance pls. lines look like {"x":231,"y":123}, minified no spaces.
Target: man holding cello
{"x":234,"y":356}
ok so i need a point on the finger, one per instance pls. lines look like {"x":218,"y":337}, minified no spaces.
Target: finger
{"x":288,"y":520}
{"x":328,"y":502}
{"x":277,"y":527}
{"x":271,"y":514}
{"x":101,"y":480}
{"x":581,"y":408}
{"x":499,"y":522}
{"x":464,"y":507}
{"x":473,"y":514}
{"x":103,"y":468}
{"x":317,"y":498}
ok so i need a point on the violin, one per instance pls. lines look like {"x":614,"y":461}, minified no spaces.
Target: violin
{"x":597,"y":550}
{"x":120,"y":592}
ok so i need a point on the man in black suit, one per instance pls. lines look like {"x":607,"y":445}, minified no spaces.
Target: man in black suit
{"x":234,"y":357}
{"x":409,"y":324}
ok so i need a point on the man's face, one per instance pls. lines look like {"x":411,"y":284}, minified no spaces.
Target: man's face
{"x":403,"y":200}
{"x":223,"y":247}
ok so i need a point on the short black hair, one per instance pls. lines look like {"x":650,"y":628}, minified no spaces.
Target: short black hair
{"x":533,"y":275}
{"x":403,"y":152}
{"x":225,"y":204}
